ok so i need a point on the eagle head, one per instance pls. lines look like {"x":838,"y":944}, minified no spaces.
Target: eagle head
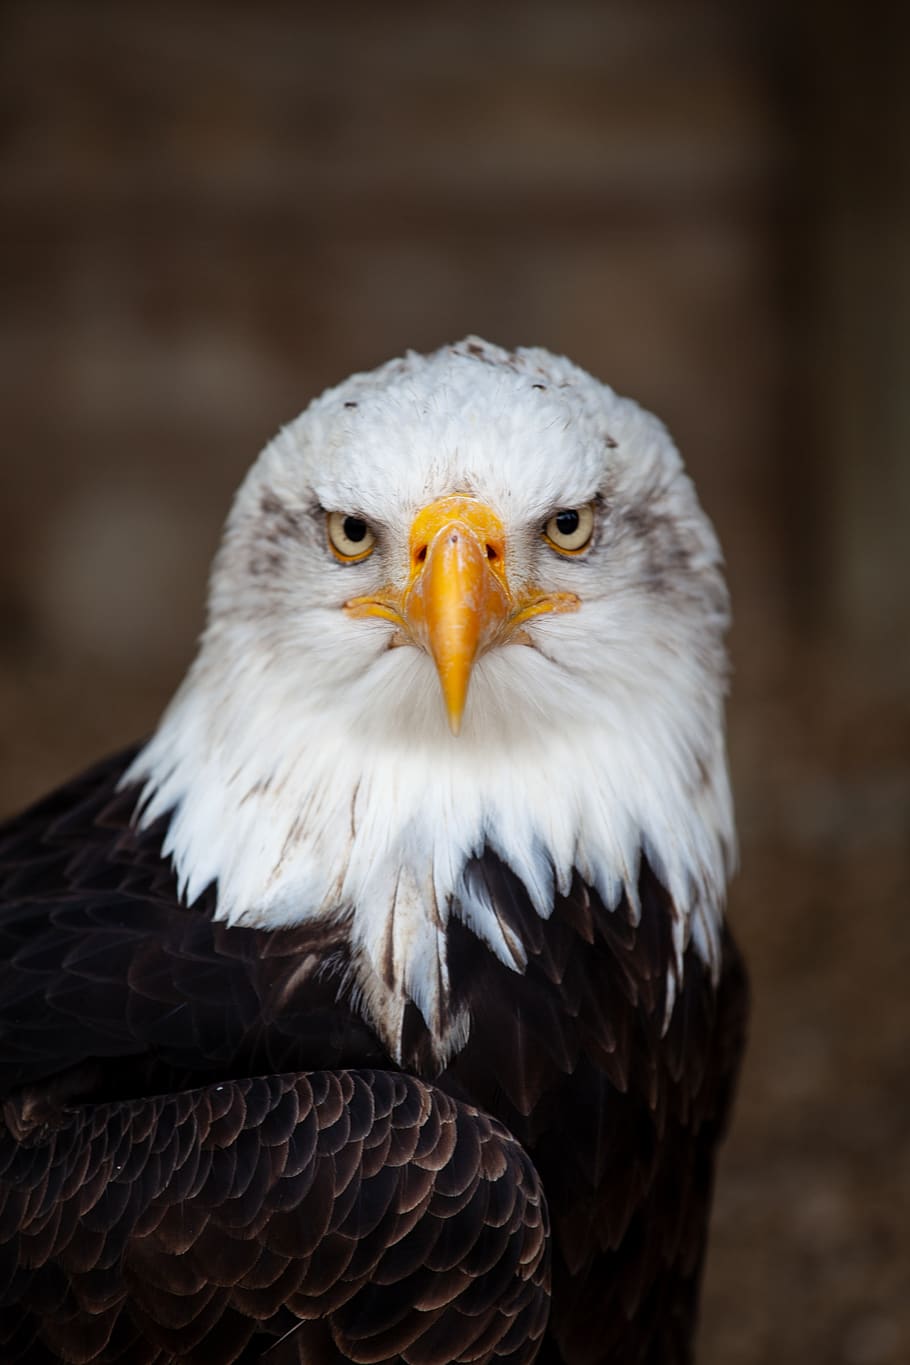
{"x":466,"y":601}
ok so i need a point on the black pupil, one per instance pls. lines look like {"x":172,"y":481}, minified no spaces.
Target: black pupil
{"x":567,"y":523}
{"x":355,"y":529}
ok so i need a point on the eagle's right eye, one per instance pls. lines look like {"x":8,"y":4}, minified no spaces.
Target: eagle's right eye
{"x":350,"y":538}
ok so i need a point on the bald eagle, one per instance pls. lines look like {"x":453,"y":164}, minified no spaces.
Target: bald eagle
{"x":381,"y":1006}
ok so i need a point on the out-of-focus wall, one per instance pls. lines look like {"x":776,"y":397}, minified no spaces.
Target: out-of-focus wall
{"x":838,"y":79}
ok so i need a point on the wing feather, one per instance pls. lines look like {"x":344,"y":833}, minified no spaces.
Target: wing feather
{"x":191,"y":1266}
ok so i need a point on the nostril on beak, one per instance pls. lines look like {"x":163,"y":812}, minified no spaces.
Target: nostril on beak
{"x":421,"y":554}
{"x":491,"y":551}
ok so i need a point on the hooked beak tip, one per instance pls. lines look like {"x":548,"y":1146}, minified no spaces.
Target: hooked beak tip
{"x":455,"y":679}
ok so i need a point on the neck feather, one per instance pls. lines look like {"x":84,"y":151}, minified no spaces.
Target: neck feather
{"x":294,"y":819}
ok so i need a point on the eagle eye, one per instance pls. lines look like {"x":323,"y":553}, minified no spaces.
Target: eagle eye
{"x":350,"y":538}
{"x":570,"y":529}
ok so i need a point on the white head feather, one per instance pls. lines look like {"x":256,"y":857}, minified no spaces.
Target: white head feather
{"x":309,"y":769}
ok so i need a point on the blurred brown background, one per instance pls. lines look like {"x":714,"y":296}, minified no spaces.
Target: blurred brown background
{"x":210,"y":211}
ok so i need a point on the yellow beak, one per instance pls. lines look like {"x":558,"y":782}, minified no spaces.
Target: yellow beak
{"x":458,"y":599}
{"x":457,"y":602}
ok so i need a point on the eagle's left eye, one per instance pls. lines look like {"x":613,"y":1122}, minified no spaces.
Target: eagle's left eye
{"x":570,"y":530}
{"x":350,"y":537}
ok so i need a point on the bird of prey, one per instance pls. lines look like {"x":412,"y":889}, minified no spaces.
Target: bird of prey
{"x":381,"y":1006}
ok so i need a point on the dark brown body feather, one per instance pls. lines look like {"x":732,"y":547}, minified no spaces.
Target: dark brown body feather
{"x":156,"y":1203}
